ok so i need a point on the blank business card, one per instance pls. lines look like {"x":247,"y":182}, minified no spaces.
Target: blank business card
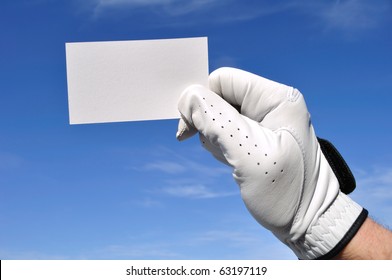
{"x":132,"y":80}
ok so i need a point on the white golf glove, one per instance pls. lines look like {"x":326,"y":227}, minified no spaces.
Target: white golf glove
{"x":291,"y":185}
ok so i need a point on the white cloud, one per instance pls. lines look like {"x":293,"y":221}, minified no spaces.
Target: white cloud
{"x":205,"y":170}
{"x":374,"y":192}
{"x":191,"y":173}
{"x":376,"y":184}
{"x":352,"y":14}
{"x":9,"y":160}
{"x":343,"y":15}
{"x":165,"y":166}
{"x":240,"y":238}
{"x":195,"y":191}
{"x":173,"y":162}
{"x":244,"y":239}
{"x":137,"y":251}
{"x":168,"y":7}
{"x":235,"y":238}
{"x":30,"y":255}
{"x":147,"y":202}
{"x":102,"y":4}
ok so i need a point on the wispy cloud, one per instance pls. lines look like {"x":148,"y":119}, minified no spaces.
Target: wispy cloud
{"x":239,"y":239}
{"x":197,"y":191}
{"x":31,"y":255}
{"x":165,"y":166}
{"x":176,"y":163}
{"x":374,"y":192}
{"x":182,"y":165}
{"x":191,"y":174}
{"x":137,"y":251}
{"x":235,"y":238}
{"x":167,"y":7}
{"x":10,"y":160}
{"x":147,"y":202}
{"x":243,"y":239}
{"x":377,"y":183}
{"x":346,"y":15}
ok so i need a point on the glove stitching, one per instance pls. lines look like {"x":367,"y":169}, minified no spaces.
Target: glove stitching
{"x":329,"y":228}
{"x":292,"y":94}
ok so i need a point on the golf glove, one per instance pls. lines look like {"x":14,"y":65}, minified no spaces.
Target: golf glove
{"x":293,"y":183}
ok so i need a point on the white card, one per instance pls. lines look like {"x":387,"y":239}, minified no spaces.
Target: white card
{"x":132,"y":80}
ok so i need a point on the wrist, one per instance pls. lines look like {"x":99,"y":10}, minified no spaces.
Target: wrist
{"x":372,"y":242}
{"x":332,"y":231}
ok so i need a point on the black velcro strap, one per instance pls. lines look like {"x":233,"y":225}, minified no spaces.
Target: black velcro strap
{"x":339,"y":166}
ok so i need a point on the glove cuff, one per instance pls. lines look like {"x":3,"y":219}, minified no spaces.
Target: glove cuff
{"x":332,"y":231}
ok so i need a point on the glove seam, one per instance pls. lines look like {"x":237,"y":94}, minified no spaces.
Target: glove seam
{"x":299,"y":142}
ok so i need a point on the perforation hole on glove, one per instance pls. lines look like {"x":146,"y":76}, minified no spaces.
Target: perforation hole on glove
{"x":254,"y":151}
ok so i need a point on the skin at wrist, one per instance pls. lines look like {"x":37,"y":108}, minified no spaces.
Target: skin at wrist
{"x":372,"y":242}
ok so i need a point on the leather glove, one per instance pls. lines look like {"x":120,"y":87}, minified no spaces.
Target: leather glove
{"x":262,"y":129}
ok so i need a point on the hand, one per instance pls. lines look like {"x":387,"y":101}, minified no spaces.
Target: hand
{"x":262,"y":129}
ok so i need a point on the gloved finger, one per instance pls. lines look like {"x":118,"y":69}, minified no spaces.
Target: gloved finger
{"x":221,"y":124}
{"x":272,"y":104}
{"x":213,"y":149}
{"x":185,"y":130}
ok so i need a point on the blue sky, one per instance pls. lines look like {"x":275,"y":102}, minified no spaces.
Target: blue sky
{"x":130,"y":190}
